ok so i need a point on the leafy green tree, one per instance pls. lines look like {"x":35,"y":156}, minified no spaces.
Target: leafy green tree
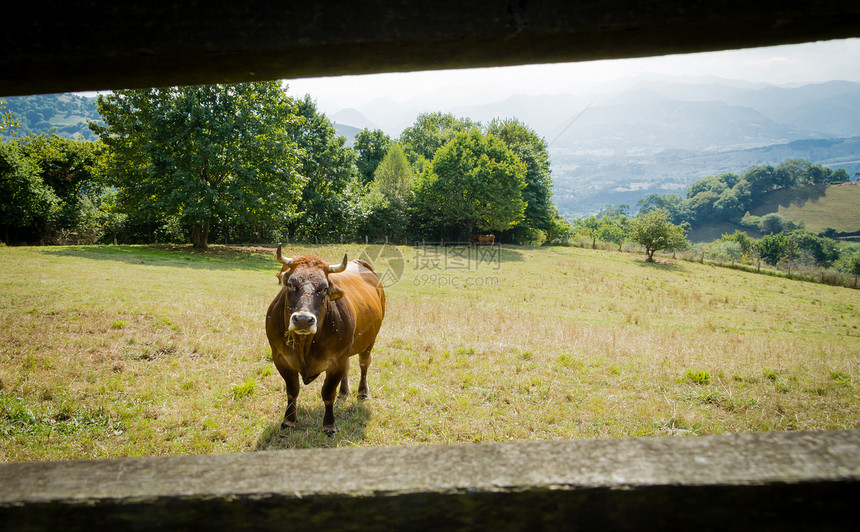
{"x":430,"y":132}
{"x":742,"y":239}
{"x":773,"y":248}
{"x":27,"y":204}
{"x":7,"y":120}
{"x":203,"y":154}
{"x":371,"y":147}
{"x":68,"y":167}
{"x":614,"y":229}
{"x":326,"y":167}
{"x":726,"y":250}
{"x":532,"y":150}
{"x":559,"y":231}
{"x":671,"y":203}
{"x":393,"y":176}
{"x":475,"y":182}
{"x":772,"y":223}
{"x":588,"y":228}
{"x":824,"y":251}
{"x":852,"y":267}
{"x":388,"y":199}
{"x":655,"y":232}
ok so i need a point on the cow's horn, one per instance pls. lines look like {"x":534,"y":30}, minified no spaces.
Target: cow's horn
{"x":285,"y":261}
{"x":337,"y":268}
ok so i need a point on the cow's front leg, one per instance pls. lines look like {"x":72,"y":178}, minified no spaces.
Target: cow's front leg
{"x":333,"y":377}
{"x":344,"y":383}
{"x":292,"y":380}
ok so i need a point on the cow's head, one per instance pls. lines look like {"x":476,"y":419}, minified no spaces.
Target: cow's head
{"x":308,"y":289}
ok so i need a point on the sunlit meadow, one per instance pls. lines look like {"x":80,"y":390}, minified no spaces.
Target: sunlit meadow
{"x":136,"y":351}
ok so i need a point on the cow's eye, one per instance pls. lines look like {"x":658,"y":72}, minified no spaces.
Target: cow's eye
{"x":290,"y":285}
{"x":324,"y":290}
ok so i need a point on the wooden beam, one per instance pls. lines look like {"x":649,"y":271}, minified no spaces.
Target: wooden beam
{"x":769,"y":481}
{"x":76,"y":46}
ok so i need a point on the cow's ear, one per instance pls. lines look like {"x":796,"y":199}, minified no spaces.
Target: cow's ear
{"x":280,"y":276}
{"x":334,"y":293}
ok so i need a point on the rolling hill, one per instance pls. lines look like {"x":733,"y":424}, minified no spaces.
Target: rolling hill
{"x":818,"y":206}
{"x":65,"y":114}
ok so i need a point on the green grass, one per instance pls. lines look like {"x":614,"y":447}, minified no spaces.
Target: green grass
{"x":818,"y":206}
{"x":138,"y":351}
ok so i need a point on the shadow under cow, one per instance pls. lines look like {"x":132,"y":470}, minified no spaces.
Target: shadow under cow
{"x":351,"y":415}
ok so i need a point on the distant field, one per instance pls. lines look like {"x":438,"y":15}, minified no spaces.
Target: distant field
{"x":134,"y":351}
{"x":818,"y":206}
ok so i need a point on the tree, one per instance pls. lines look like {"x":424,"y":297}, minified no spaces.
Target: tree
{"x":774,"y":247}
{"x":475,"y":182}
{"x":655,"y":232}
{"x":6,"y":119}
{"x":852,"y":267}
{"x":326,"y":167}
{"x":394,"y":177}
{"x":671,"y":203}
{"x":430,"y":132}
{"x":389,"y":197}
{"x":532,"y":150}
{"x":824,"y":251}
{"x":27,"y":204}
{"x":614,"y":229}
{"x":371,"y":147}
{"x":203,"y":154}
{"x":742,"y":239}
{"x":68,"y":168}
{"x":588,"y":227}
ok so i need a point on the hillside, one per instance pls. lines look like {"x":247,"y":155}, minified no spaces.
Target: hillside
{"x":66,"y":114}
{"x":818,"y":206}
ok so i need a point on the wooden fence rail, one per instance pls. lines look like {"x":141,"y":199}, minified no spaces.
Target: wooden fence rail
{"x":766,"y":481}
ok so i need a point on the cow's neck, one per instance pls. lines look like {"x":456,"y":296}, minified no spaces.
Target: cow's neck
{"x":301,"y":343}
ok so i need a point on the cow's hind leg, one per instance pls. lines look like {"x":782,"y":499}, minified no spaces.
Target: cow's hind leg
{"x":364,"y":362}
{"x":344,"y":383}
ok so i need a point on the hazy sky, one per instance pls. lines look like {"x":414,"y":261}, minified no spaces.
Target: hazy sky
{"x":790,"y":64}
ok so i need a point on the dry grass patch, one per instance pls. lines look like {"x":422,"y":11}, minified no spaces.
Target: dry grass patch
{"x":132,"y":351}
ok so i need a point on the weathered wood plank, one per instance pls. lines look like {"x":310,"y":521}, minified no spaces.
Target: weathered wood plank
{"x":766,"y":481}
{"x":75,"y":46}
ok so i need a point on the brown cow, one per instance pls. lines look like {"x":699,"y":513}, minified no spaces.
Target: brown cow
{"x":483,"y":239}
{"x":324,"y":314}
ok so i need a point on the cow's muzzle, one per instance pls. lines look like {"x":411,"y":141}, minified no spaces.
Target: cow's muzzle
{"x":303,"y":323}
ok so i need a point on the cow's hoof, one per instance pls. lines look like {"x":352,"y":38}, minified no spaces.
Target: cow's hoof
{"x":363,"y":396}
{"x":288,"y":424}
{"x":342,"y":396}
{"x":329,"y":431}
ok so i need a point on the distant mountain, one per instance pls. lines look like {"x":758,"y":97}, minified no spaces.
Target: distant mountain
{"x":67,"y":114}
{"x":347,"y":131}
{"x":354,"y":118}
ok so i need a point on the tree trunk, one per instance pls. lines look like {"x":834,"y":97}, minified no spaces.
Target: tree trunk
{"x":200,"y":236}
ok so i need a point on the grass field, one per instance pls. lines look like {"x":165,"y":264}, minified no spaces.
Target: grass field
{"x":818,"y":206}
{"x":135,"y":351}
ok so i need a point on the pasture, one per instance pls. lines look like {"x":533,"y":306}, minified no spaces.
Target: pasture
{"x":118,"y":351}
